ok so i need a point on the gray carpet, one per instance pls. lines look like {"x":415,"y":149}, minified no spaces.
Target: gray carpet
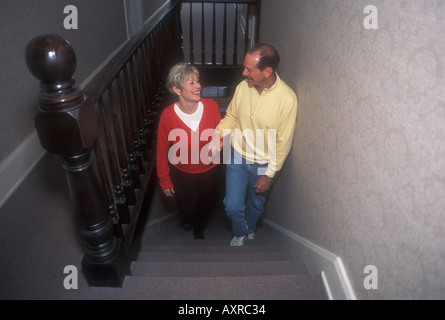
{"x":176,"y":266}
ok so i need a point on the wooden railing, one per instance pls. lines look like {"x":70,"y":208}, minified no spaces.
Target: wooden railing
{"x":104,"y":134}
{"x":225,"y":30}
{"x":216,"y":36}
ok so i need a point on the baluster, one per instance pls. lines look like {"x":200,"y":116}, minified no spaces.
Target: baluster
{"x":155,"y":61}
{"x":146,"y":74}
{"x":166,"y":36}
{"x":224,"y":48}
{"x":246,"y":37}
{"x":151,"y":75}
{"x":203,"y":36}
{"x":150,"y":72}
{"x":137,"y":109}
{"x":178,"y":43}
{"x":127,"y":183}
{"x":103,"y":178}
{"x":157,"y":75}
{"x":144,"y":91}
{"x":141,"y":105}
{"x":67,"y":126}
{"x":132,"y":163}
{"x":121,"y":201}
{"x":147,"y":93}
{"x":192,"y":54}
{"x":160,"y":40}
{"x":235,"y":38}
{"x":214,"y":36}
{"x":159,"y":56}
{"x":133,"y":122}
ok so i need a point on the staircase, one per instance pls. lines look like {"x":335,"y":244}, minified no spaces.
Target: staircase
{"x":172,"y":265}
{"x":169,"y":264}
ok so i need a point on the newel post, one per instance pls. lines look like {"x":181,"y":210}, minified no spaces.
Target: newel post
{"x":67,"y":127}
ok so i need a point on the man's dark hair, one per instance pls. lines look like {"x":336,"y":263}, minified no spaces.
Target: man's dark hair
{"x":269,"y":56}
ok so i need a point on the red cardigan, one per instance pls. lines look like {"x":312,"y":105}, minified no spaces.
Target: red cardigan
{"x":184,"y":139}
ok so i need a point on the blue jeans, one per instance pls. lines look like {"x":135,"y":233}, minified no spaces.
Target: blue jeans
{"x":243,"y":205}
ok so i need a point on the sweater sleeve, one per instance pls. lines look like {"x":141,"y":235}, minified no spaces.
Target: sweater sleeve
{"x":163,"y":146}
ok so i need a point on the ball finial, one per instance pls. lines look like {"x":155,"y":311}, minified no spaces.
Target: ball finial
{"x":51,"y":59}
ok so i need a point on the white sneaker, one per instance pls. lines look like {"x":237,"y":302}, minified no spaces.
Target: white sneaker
{"x":237,"y":241}
{"x":250,"y":236}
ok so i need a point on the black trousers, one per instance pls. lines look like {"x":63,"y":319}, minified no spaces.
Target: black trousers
{"x":196,"y":194}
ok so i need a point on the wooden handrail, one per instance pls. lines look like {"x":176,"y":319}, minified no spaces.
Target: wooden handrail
{"x":99,"y":84}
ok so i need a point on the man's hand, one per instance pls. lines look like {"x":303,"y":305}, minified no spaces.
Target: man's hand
{"x":262,"y":184}
{"x":169,"y":193}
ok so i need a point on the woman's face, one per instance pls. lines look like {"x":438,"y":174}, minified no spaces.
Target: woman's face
{"x":191,"y":89}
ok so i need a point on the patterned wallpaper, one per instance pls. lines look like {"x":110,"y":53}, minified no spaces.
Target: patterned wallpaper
{"x":366,"y":176}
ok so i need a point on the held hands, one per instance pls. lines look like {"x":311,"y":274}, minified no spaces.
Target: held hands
{"x":215,"y":145}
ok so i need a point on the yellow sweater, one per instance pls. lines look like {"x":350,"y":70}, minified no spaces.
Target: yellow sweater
{"x":252,"y":118}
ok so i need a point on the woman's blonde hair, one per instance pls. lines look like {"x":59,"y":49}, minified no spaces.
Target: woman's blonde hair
{"x":178,"y":74}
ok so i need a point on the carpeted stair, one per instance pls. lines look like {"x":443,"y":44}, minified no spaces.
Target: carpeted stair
{"x":171,"y":265}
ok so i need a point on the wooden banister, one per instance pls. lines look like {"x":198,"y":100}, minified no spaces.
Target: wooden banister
{"x":104,"y":134}
{"x":228,"y":23}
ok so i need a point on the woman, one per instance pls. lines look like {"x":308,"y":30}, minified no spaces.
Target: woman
{"x":183,"y":165}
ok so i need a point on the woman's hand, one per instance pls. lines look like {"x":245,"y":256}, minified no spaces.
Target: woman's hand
{"x":169,"y":193}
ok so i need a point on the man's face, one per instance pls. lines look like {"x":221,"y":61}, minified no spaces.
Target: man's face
{"x":254,"y":76}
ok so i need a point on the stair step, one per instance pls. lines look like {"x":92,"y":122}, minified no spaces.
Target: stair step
{"x":184,"y":241}
{"x":171,"y":265}
{"x":207,"y":257}
{"x":179,"y":230}
{"x":282,"y":287}
{"x":225,"y":238}
{"x":215,"y":269}
{"x":212,"y":249}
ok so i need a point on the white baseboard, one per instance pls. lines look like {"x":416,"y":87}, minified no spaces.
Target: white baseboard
{"x":16,"y":167}
{"x":321,"y":261}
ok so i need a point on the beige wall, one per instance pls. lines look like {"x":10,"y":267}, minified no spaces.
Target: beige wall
{"x":366,"y":176}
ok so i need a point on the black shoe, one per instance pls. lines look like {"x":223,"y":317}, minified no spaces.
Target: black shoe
{"x":198,"y":235}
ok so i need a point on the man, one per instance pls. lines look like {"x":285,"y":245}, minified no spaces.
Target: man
{"x":261,"y":120}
